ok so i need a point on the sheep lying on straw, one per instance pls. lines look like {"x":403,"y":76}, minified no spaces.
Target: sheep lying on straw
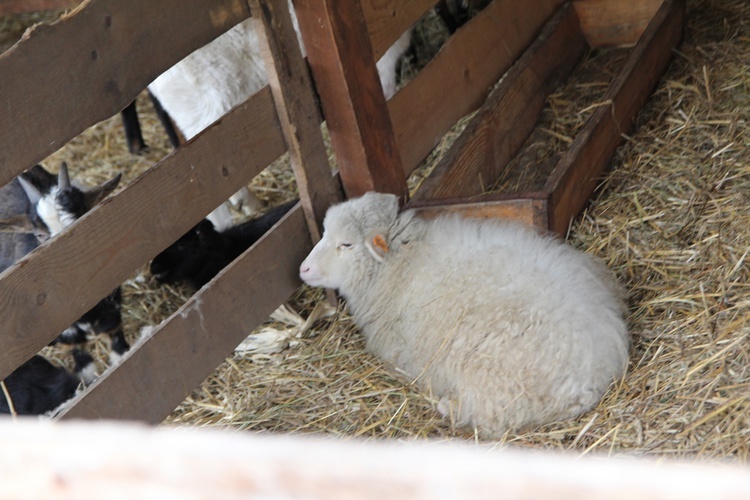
{"x":509,"y":328}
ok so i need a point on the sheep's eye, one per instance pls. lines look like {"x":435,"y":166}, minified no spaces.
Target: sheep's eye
{"x":343,"y":245}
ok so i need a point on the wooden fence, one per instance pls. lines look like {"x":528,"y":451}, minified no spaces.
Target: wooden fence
{"x":63,"y":78}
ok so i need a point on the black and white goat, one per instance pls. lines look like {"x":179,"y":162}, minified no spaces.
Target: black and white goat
{"x":37,"y":386}
{"x":36,"y":206}
{"x":203,"y":251}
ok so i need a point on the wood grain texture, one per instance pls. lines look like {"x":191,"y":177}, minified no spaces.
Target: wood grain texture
{"x":498,"y":130}
{"x":62,"y":78}
{"x":459,"y":78}
{"x":53,"y":286}
{"x":19,"y":6}
{"x":161,"y":371}
{"x":342,"y":62}
{"x":296,"y":105}
{"x":387,"y":20}
{"x":529,"y":208}
{"x":615,"y":22}
{"x":578,"y":172}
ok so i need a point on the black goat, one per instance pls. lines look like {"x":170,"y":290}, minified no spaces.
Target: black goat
{"x":37,"y":386}
{"x":202,"y":252}
{"x":34,"y":207}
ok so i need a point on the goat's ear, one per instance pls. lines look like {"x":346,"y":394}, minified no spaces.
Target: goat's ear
{"x":63,"y":178}
{"x":98,"y":193}
{"x":32,"y":192}
{"x":41,"y":178}
{"x":377,"y":245}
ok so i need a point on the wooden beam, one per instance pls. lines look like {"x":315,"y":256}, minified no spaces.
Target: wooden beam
{"x":50,"y":288}
{"x":161,"y":370}
{"x":342,"y":62}
{"x":529,"y":208}
{"x":94,"y":459}
{"x":578,"y":172}
{"x":297,"y":109}
{"x":459,"y":78}
{"x":498,"y":130}
{"x":615,"y":22}
{"x":387,"y":20}
{"x":62,"y":78}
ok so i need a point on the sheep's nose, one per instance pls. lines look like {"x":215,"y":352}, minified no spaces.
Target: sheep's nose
{"x":303,"y":269}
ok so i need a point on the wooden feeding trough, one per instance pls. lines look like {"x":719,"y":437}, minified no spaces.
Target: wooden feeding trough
{"x":498,"y":132}
{"x":63,"y":78}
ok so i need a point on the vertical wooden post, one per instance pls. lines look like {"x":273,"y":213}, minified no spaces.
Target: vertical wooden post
{"x":342,"y":61}
{"x":297,"y":109}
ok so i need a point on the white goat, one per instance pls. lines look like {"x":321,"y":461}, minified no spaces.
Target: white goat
{"x":206,"y":84}
{"x":508,"y":327}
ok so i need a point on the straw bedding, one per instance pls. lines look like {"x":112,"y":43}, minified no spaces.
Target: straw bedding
{"x":672,"y":219}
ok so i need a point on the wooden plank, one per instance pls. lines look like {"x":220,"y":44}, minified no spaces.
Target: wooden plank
{"x":42,"y":76}
{"x":297,"y":109}
{"x":615,"y":22}
{"x":502,"y":125}
{"x":387,"y":20}
{"x":114,"y":460}
{"x":54,"y":285}
{"x":459,"y":78}
{"x":342,"y":62}
{"x":19,"y":6}
{"x":161,"y":371}
{"x":578,"y":172}
{"x":528,"y":208}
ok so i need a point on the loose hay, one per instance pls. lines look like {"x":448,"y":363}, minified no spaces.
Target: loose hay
{"x":672,"y":219}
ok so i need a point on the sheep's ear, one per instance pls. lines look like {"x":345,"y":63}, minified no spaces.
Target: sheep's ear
{"x":32,"y":192}
{"x":377,"y":245}
{"x":98,"y":193}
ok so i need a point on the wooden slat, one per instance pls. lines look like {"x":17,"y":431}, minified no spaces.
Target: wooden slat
{"x":297,"y":109}
{"x":67,"y":76}
{"x":54,"y":285}
{"x":528,"y":208}
{"x":19,"y":6}
{"x":459,"y":78}
{"x":498,"y":131}
{"x":341,"y":59}
{"x":388,"y":19}
{"x":156,"y":375}
{"x":615,"y":22}
{"x":576,"y":175}
{"x":85,"y":460}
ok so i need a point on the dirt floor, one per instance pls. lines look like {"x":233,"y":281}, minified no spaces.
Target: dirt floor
{"x":672,"y":219}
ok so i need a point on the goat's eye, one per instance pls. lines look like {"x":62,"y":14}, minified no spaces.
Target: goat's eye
{"x":343,"y":245}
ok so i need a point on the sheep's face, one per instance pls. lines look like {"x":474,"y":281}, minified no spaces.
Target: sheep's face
{"x":354,"y":242}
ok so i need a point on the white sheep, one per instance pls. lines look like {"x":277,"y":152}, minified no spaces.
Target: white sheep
{"x":509,"y":328}
{"x":209,"y":82}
